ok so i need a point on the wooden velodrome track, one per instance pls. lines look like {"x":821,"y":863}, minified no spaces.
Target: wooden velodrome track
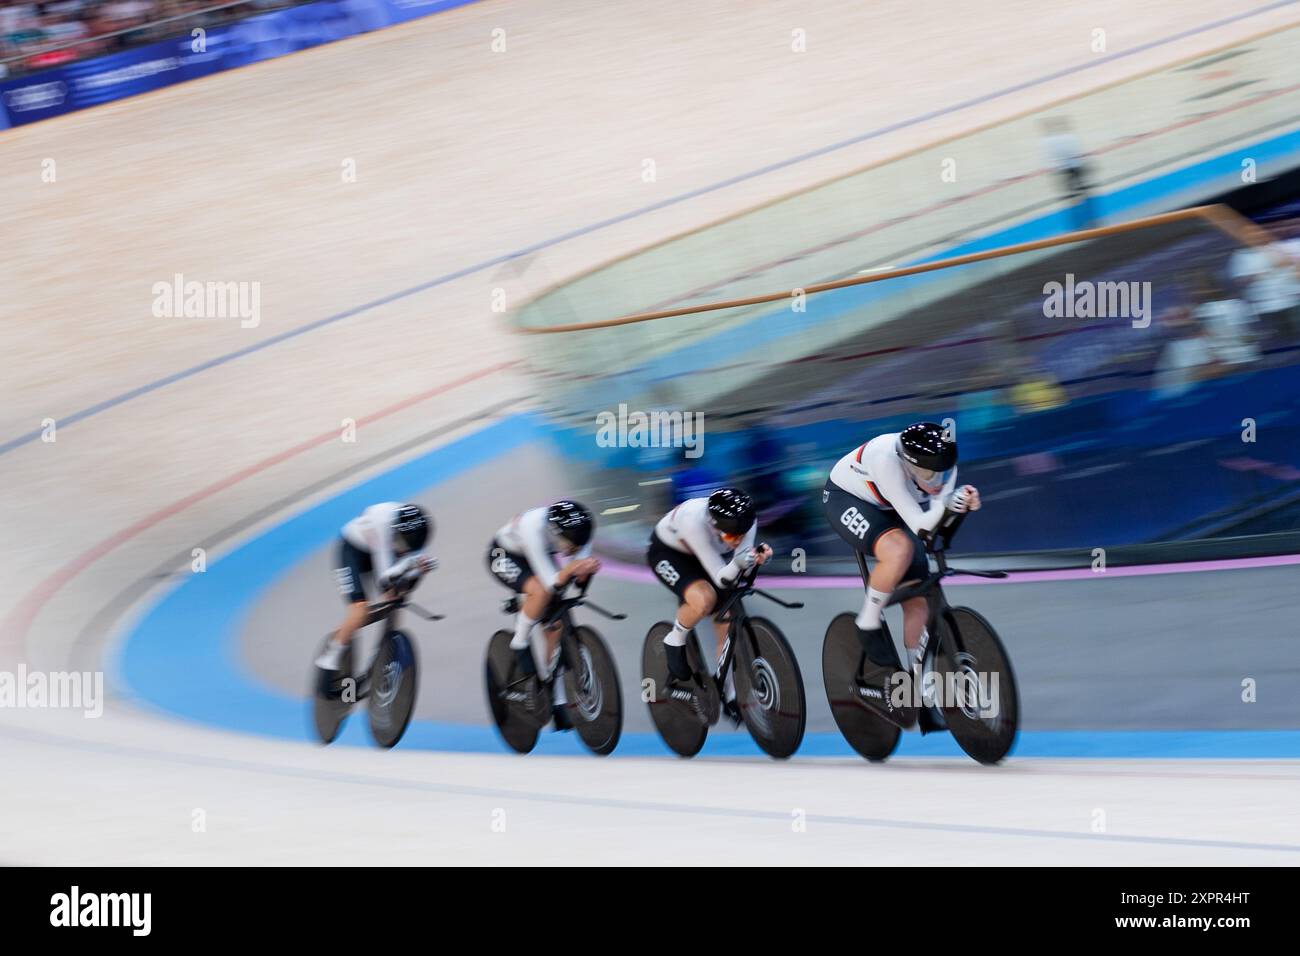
{"x":377,"y":306}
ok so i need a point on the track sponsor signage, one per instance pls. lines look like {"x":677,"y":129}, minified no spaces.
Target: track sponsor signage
{"x":49,"y":93}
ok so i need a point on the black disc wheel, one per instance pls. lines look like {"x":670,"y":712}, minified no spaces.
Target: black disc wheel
{"x":979,"y":699}
{"x":679,"y":722}
{"x":867,"y":732}
{"x":595,"y":700}
{"x":769,"y":688}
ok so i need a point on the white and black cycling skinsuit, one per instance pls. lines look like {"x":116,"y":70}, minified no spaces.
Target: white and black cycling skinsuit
{"x":870,"y":493}
{"x":367,"y":551}
{"x":523,"y":548}
{"x":685,"y":548}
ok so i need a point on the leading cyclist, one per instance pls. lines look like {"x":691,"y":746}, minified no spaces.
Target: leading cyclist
{"x":882,"y":498}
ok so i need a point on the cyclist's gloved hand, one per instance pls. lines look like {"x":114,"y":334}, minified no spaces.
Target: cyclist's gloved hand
{"x":746,"y":559}
{"x":428,"y":564}
{"x":964,"y":499}
{"x":394,"y":574}
{"x":404,"y":574}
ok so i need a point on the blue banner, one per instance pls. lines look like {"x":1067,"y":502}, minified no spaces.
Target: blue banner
{"x":103,"y":79}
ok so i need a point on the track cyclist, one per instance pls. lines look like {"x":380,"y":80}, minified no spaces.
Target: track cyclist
{"x":383,"y":544}
{"x":522,"y":556}
{"x":883,"y":498}
{"x":697,"y":551}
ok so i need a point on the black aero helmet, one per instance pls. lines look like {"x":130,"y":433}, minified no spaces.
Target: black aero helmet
{"x":731,"y":510}
{"x":412,"y":526}
{"x":570,"y":521}
{"x":925,"y":445}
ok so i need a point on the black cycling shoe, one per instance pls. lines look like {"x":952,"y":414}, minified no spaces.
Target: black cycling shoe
{"x":678,"y":666}
{"x":524,"y":661}
{"x":879,"y":649}
{"x":877,"y":677}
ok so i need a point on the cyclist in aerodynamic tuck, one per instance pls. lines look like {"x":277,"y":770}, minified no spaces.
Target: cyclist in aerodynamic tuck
{"x":697,"y":551}
{"x":381,"y":545}
{"x":522,"y":556}
{"x":883,"y":498}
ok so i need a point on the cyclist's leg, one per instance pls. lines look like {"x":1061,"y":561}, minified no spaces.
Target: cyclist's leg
{"x":905,"y":552}
{"x":351,"y":567}
{"x":869,"y":531}
{"x":900,"y":559}
{"x":682,"y":574}
{"x":915,"y":612}
{"x":513,"y":571}
{"x":351,"y":571}
{"x":698,"y":602}
{"x":353,"y":618}
{"x":536,"y":601}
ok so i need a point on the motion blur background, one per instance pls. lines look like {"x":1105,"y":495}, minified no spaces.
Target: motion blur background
{"x":461,"y":220}
{"x":1084,"y":431}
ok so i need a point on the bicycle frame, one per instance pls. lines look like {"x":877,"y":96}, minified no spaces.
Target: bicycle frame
{"x":930,"y":588}
{"x":560,"y":611}
{"x":386,"y":612}
{"x":733,"y":611}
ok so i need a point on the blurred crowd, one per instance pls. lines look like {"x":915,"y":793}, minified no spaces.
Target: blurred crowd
{"x":1223,"y":314}
{"x":35,"y":36}
{"x":1232,"y":317}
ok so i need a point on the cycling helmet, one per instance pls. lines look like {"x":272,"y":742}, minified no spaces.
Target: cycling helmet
{"x":411,"y":525}
{"x":731,"y":511}
{"x":570,"y":521}
{"x":928,"y":454}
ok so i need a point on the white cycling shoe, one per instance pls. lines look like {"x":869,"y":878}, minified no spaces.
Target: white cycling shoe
{"x":331,"y":657}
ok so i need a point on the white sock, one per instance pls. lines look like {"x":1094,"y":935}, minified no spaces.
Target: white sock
{"x":677,"y":636}
{"x":869,"y":617}
{"x":523,"y":629}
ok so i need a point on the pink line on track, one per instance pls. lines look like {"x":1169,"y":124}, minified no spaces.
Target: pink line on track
{"x":621,"y":571}
{"x":14,"y":630}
